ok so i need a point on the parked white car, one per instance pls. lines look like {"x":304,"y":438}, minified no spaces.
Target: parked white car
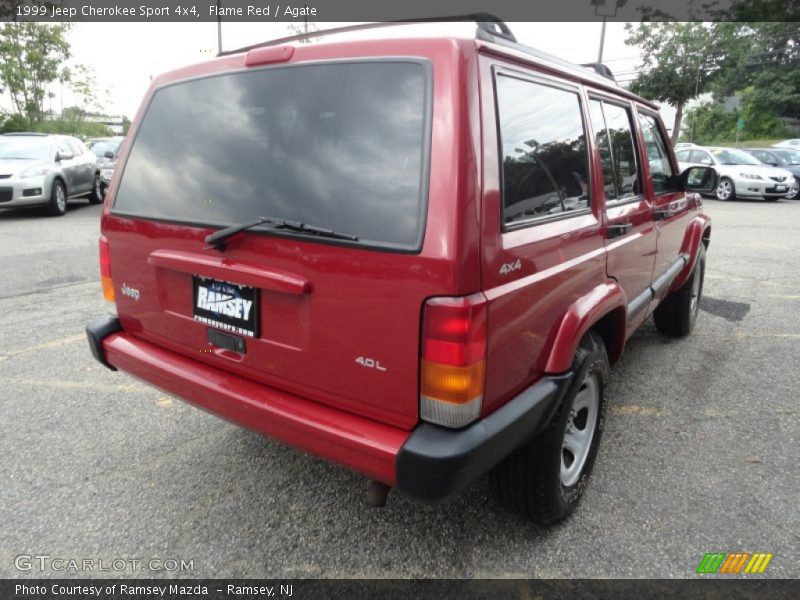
{"x":740,"y":175}
{"x":794,"y":143}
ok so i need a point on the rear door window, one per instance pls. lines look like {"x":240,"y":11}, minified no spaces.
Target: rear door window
{"x":544,"y":156}
{"x":613,"y":132}
{"x":342,"y":146}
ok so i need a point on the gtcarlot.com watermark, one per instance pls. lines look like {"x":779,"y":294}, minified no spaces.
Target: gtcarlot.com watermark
{"x":63,"y":564}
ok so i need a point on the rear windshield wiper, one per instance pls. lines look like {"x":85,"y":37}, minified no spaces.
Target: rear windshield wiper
{"x":217,"y":239}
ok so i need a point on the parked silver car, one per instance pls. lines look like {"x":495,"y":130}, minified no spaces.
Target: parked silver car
{"x":740,"y":175}
{"x":46,"y":170}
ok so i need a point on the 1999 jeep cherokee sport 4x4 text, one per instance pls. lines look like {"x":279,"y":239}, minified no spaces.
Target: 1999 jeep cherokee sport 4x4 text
{"x":413,"y":257}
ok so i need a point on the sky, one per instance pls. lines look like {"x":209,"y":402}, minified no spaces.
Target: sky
{"x":125,"y":56}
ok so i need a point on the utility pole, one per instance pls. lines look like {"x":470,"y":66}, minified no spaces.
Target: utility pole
{"x":219,"y":29}
{"x":610,"y":10}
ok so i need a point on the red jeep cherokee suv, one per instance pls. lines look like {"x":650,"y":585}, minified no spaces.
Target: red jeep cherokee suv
{"x":413,"y":257}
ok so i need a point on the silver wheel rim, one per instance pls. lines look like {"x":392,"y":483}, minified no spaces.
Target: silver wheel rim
{"x":724,"y":190}
{"x":793,"y":192}
{"x":581,"y":424}
{"x":61,"y":199}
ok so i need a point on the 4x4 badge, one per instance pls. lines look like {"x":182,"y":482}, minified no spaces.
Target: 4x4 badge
{"x":509,"y":267}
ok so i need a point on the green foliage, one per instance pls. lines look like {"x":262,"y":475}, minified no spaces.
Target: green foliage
{"x":32,"y":56}
{"x":710,"y":124}
{"x":679,"y":61}
{"x":79,"y":128}
{"x":13,"y":123}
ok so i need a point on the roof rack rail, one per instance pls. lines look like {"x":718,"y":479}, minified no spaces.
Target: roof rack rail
{"x":488,"y":25}
{"x":601,"y":69}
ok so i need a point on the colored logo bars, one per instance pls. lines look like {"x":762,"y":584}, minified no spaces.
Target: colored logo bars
{"x":738,"y":562}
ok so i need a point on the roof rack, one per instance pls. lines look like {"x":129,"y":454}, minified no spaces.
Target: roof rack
{"x":490,"y":29}
{"x":488,"y":25}
{"x":601,"y":69}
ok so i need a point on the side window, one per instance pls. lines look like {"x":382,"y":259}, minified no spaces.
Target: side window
{"x":64,"y":147}
{"x":699,"y":156}
{"x":613,"y":132}
{"x":683,"y":155}
{"x":657,"y":156}
{"x":543,"y":148}
{"x":75,"y":146}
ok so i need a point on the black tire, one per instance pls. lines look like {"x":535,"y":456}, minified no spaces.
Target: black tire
{"x":677,"y":313}
{"x":793,"y":192}
{"x":530,"y":481}
{"x":58,"y":199}
{"x":726,"y":190}
{"x":96,"y":197}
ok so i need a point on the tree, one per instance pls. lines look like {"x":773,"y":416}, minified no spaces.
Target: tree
{"x":679,"y":61}
{"x":32,"y":56}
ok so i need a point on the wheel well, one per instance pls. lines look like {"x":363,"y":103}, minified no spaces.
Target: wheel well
{"x":611,"y":329}
{"x":64,"y":183}
{"x":707,"y":237}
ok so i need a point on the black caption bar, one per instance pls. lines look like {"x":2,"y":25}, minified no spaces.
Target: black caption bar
{"x":385,"y":10}
{"x":389,"y":589}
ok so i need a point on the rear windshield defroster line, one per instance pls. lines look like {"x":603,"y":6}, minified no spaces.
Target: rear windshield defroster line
{"x":343,"y":145}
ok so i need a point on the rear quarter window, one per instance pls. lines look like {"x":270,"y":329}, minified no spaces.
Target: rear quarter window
{"x":545,"y":170}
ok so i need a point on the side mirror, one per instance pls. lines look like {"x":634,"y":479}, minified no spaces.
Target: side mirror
{"x":108,"y":154}
{"x":702,"y":180}
{"x":64,"y":156}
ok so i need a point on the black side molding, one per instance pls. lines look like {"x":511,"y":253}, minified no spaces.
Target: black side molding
{"x":97,"y":331}
{"x":657,"y":287}
{"x":436,"y":462}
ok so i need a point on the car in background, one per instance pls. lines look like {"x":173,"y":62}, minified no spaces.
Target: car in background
{"x":784,"y":158}
{"x":740,"y":174}
{"x":680,"y":145}
{"x":793,"y":143}
{"x":106,"y":171}
{"x":38,"y":169}
{"x":105,"y":149}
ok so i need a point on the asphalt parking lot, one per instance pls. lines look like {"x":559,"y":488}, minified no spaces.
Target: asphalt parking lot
{"x":700,"y":454}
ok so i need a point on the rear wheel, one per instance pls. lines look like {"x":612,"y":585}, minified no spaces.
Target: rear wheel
{"x":726,"y":190}
{"x":677,"y":313}
{"x":96,"y":197}
{"x":545,"y":479}
{"x":58,"y":199}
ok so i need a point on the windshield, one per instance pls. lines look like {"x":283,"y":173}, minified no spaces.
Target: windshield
{"x":34,"y":149}
{"x":788,"y":157}
{"x":734,"y":157}
{"x":339,"y":145}
{"x":100,"y":148}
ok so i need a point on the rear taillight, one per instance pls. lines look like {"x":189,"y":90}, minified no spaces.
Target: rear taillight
{"x":105,"y":270}
{"x":453,"y":366}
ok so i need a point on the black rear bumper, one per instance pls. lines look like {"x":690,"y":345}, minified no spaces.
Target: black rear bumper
{"x":435,"y":462}
{"x":97,"y":331}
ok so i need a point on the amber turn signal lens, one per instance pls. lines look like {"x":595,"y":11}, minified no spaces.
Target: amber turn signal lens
{"x":455,"y":385}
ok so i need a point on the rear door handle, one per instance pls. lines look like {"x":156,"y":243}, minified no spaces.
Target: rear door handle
{"x":618,"y":229}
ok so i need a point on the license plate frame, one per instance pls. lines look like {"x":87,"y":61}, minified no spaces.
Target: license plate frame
{"x":225,"y":305}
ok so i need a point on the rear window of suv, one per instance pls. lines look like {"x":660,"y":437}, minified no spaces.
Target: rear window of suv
{"x":342,"y":146}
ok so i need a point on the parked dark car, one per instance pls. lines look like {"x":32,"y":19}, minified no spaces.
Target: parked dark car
{"x":785,"y":158}
{"x":402,"y":256}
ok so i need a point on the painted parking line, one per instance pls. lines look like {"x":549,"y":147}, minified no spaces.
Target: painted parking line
{"x":45,"y":346}
{"x":746,"y":334}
